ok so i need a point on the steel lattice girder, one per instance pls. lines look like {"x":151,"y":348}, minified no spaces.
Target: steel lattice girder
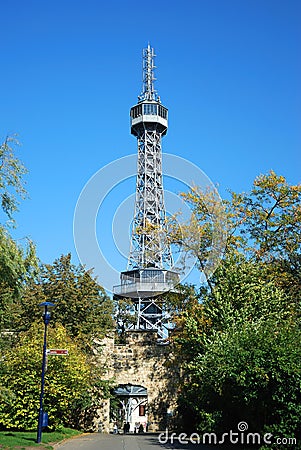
{"x":149,"y":248}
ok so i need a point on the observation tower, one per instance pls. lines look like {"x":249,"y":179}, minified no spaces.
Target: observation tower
{"x":150,"y":271}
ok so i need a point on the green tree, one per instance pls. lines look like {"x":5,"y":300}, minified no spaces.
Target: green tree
{"x":205,"y":236}
{"x":18,"y":261}
{"x":73,"y":385}
{"x":81,"y":304}
{"x":240,"y":356}
{"x":271,"y":217}
{"x":18,"y":265}
{"x":12,"y":172}
{"x":263,"y":224}
{"x":237,"y":338}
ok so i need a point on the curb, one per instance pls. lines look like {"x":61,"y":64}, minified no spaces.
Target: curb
{"x":57,"y":444}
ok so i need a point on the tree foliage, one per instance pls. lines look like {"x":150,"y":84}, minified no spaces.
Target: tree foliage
{"x":81,"y":304}
{"x":73,"y":385}
{"x":239,"y":353}
{"x":264,"y":225}
{"x":12,"y":172}
{"x":271,"y":218}
{"x":18,"y":265}
{"x":237,"y":337}
{"x":18,"y":261}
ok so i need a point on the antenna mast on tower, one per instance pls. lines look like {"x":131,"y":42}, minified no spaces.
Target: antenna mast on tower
{"x":148,"y":67}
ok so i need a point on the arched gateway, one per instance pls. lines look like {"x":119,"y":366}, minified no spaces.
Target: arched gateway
{"x":130,"y":408}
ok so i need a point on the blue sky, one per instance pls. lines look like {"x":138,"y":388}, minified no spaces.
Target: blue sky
{"x":228,"y":71}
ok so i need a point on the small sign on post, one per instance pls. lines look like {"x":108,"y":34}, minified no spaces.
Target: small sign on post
{"x":45,"y":419}
{"x":56,"y":352}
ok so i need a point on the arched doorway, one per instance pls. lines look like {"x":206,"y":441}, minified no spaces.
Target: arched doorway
{"x":130,"y":408}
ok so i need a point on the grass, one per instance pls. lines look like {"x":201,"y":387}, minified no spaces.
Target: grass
{"x":23,"y":440}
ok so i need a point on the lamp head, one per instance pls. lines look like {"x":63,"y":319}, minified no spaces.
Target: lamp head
{"x":46,"y":305}
{"x":46,"y":315}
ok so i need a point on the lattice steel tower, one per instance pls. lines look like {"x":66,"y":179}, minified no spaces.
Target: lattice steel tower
{"x":149,"y":272}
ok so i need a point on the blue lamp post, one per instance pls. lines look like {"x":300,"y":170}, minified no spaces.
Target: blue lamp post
{"x":42,"y":415}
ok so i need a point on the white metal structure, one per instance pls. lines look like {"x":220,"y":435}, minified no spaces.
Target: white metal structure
{"x":149,"y":124}
{"x":149,"y":272}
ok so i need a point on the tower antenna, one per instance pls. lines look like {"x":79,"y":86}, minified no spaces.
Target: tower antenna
{"x":148,"y":77}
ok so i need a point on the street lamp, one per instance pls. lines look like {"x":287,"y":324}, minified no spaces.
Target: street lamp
{"x":43,"y":418}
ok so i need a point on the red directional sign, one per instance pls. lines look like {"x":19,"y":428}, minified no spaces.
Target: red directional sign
{"x":56,"y":351}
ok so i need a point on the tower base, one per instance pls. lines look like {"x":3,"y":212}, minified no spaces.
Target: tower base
{"x":142,"y":363}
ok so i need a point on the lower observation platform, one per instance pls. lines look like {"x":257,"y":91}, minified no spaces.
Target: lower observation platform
{"x":145,"y":283}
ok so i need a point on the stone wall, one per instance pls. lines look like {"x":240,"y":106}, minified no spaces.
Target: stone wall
{"x":141,"y":361}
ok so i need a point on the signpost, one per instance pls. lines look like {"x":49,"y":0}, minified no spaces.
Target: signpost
{"x":43,"y":417}
{"x":56,"y":351}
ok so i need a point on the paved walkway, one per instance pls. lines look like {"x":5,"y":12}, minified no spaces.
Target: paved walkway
{"x":99,"y":441}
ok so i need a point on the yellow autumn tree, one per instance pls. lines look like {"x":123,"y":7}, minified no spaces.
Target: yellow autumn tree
{"x":72,"y":383}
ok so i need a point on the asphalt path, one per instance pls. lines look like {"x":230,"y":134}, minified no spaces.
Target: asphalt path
{"x":99,"y":441}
